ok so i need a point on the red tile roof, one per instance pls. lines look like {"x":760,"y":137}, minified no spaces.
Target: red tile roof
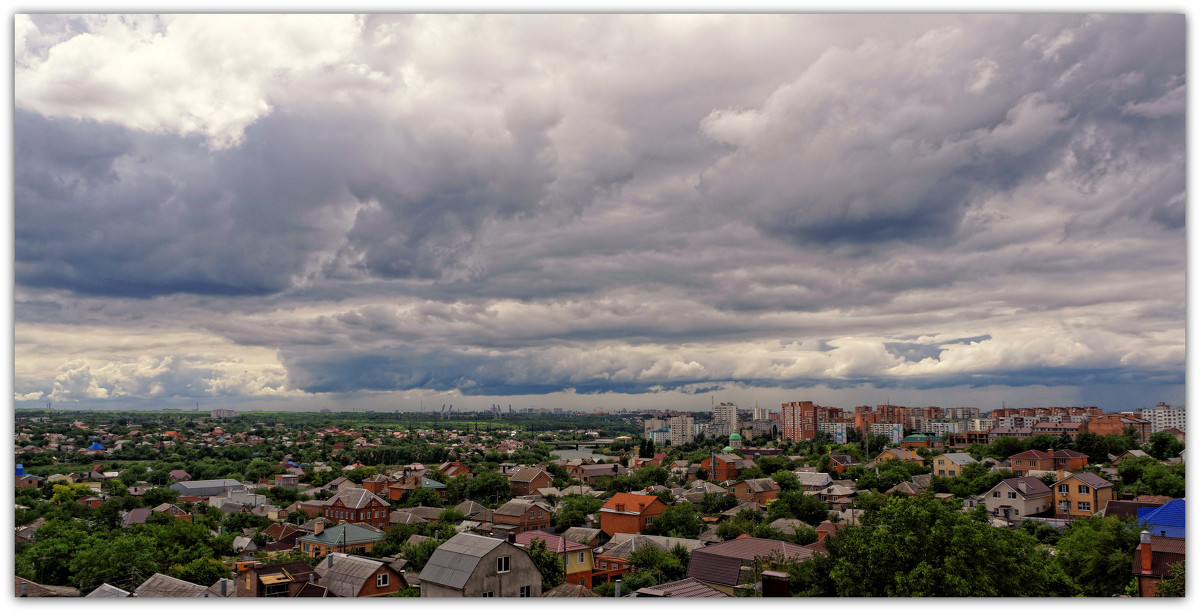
{"x":553,"y":542}
{"x":632,"y":502}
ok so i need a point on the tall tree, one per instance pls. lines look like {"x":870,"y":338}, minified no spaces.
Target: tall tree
{"x":549,"y":563}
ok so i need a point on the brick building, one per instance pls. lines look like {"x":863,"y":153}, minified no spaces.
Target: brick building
{"x":629,"y":513}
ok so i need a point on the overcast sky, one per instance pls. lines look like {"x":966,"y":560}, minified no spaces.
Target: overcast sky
{"x":599,"y":211}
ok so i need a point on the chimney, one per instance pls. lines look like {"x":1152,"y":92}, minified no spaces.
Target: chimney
{"x":1021,"y":486}
{"x":512,"y":537}
{"x":775,"y":584}
{"x":223,"y":584}
{"x":1060,"y":474}
{"x":618,"y":587}
{"x":614,"y":468}
{"x":1147,"y":554}
{"x":318,"y":527}
{"x":25,"y":590}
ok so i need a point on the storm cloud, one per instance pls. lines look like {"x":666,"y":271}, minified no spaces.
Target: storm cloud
{"x":368,"y":209}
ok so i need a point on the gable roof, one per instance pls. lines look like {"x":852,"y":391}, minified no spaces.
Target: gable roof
{"x":348,"y":534}
{"x":568,"y":590}
{"x":1168,"y":518}
{"x":455,"y":560}
{"x":961,"y":459}
{"x":554,"y":543}
{"x":162,"y":586}
{"x":355,"y":498}
{"x":527,"y":474}
{"x":684,"y":588}
{"x":1091,"y":479}
{"x":622,"y":545}
{"x":579,"y":534}
{"x":632,"y":503}
{"x":1026,"y":487}
{"x":345,"y":575}
{"x":721,"y":563}
{"x":813,"y":479}
{"x":519,"y":506}
{"x":107,"y":591}
{"x":765,"y":484}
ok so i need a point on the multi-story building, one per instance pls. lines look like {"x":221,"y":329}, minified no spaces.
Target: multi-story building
{"x":724,"y":420}
{"x":799,"y":420}
{"x":1164,"y":416}
{"x":894,"y":432}
{"x":837,"y":430}
{"x":961,"y":413}
{"x":1115,"y":423}
{"x":650,"y":424}
{"x":1080,"y":495}
{"x":762,"y":413}
{"x":682,"y":429}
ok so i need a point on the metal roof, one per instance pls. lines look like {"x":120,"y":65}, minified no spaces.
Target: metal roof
{"x":721,"y":563}
{"x":345,"y":575}
{"x":455,"y":560}
{"x":107,"y":591}
{"x":685,"y":588}
{"x":162,"y":586}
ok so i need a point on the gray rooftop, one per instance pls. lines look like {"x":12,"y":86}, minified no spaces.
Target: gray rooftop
{"x":453,"y":562}
{"x":162,"y":586}
{"x":345,"y":575}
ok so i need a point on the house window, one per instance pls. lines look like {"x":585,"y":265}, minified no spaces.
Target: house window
{"x":1064,"y":489}
{"x":489,"y":594}
{"x":502,"y":564}
{"x":604,"y":566}
{"x":1012,"y":495}
{"x":995,"y":494}
{"x":526,"y":591}
{"x":581,"y":557}
{"x":1084,"y":506}
{"x":941,"y":472}
{"x":649,"y":520}
{"x":531,"y":515}
{"x":1083,"y":489}
{"x":381,"y":580}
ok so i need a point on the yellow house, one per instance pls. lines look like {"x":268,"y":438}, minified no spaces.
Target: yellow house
{"x":577,"y":557}
{"x":1080,"y":495}
{"x":904,"y":454}
{"x":950,"y":464}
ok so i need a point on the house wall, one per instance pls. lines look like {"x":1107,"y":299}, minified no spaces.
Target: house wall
{"x":1021,"y":506}
{"x":520,"y":488}
{"x":1097,"y":498}
{"x":612,"y":522}
{"x":395,"y":584}
{"x":580,"y":573}
{"x":521,"y":573}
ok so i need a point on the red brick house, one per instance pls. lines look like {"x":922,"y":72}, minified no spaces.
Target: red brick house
{"x":629,"y":513}
{"x":351,"y":576}
{"x":453,"y":469}
{"x":529,"y":480}
{"x":588,"y":473}
{"x":1152,"y":561}
{"x":517,"y":516}
{"x":1063,"y":459}
{"x":724,"y":466}
{"x":759,"y":490}
{"x":357,"y":505}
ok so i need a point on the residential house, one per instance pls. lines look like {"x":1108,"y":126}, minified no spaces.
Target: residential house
{"x":811,"y":482}
{"x":285,"y":580}
{"x":588,"y":473}
{"x":1166,"y":520}
{"x":1019,"y":497}
{"x":179,"y":474}
{"x":902,"y":454}
{"x":724,"y":466}
{"x":1080,"y":495}
{"x":163,"y":586}
{"x":1153,"y":558}
{"x":518,"y":515}
{"x":469,"y":565}
{"x":568,"y":590}
{"x":629,"y":513}
{"x":24,"y":588}
{"x":917,"y":441}
{"x":350,"y":576}
{"x":453,"y":468}
{"x":1061,"y":459}
{"x":613,"y":559}
{"x":587,"y":536}
{"x":1132,"y":453}
{"x":840,"y":463}
{"x":761,"y":490}
{"x":357,"y":505}
{"x":578,"y":559}
{"x":950,"y":464}
{"x":208,"y":487}
{"x":720,"y":566}
{"x":342,"y":538}
{"x":1115,"y":423}
{"x":174,"y":511}
{"x":528,"y":480}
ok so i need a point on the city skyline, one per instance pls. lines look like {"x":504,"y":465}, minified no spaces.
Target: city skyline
{"x":641,"y":211}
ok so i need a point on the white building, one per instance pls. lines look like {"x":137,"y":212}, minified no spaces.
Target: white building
{"x":1163,"y":417}
{"x":894,"y":432}
{"x":681,"y":429}
{"x":762,"y":413}
{"x":724,"y":421}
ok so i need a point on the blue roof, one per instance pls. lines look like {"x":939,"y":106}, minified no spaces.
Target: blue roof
{"x":95,"y":446}
{"x":1168,"y":518}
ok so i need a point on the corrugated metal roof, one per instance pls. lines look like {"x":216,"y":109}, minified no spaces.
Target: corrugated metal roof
{"x":721,"y":563}
{"x":568,"y":590}
{"x":162,"y":586}
{"x":345,"y":575}
{"x":107,"y":591}
{"x":455,"y":560}
{"x":685,"y":588}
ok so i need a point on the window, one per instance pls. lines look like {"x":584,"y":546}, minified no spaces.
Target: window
{"x":1084,"y":506}
{"x":489,"y":594}
{"x":1064,"y":489}
{"x":381,"y":580}
{"x":581,"y":557}
{"x":604,"y":566}
{"x":941,"y":462}
{"x":502,"y":564}
{"x":526,"y":591}
{"x":1012,"y":495}
{"x":942,"y":472}
{"x":1083,"y":489}
{"x":995,"y":494}
{"x":649,"y":520}
{"x":531,"y":515}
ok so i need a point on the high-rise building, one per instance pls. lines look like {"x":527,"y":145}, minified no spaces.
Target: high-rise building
{"x":1163,"y":417}
{"x":724,"y":421}
{"x":762,"y":413}
{"x":682,"y":429}
{"x":799,"y":420}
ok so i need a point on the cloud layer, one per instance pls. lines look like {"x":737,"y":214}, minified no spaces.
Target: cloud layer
{"x":351,"y":206}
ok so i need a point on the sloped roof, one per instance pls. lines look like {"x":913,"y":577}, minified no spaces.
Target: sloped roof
{"x":622,"y":545}
{"x":426,"y":513}
{"x":579,"y":534}
{"x":634,"y":503}
{"x":345,"y":575}
{"x":721,"y":563}
{"x":107,"y":591}
{"x":355,"y":498}
{"x":788,"y":525}
{"x":765,"y":484}
{"x":470,"y":507}
{"x":352,"y":534}
{"x":1168,"y":518}
{"x":684,"y":588}
{"x":455,"y":560}
{"x":961,"y":459}
{"x":518,"y":506}
{"x":813,"y":479}
{"x":554,"y":543}
{"x":567,"y":590}
{"x":162,"y":586}
{"x":1033,"y":487}
{"x":37,"y":590}
{"x":1091,"y":479}
{"x":527,"y":474}
{"x":404,"y":517}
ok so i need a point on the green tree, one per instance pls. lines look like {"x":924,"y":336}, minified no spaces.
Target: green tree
{"x":681,"y":520}
{"x":423,"y":497}
{"x":549,"y":563}
{"x":786,"y":480}
{"x":925,"y":547}
{"x":490,"y":488}
{"x":201,"y":571}
{"x":664,"y":566}
{"x":156,"y":496}
{"x":1096,"y":553}
{"x":796,"y":504}
{"x":1162,"y":446}
{"x":116,"y":559}
{"x":1172,"y":587}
